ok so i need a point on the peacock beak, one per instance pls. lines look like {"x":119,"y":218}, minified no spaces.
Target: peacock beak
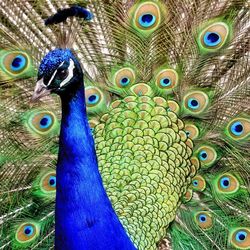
{"x":40,"y":91}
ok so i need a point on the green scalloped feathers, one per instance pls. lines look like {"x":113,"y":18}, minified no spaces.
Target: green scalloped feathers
{"x":15,"y":64}
{"x":140,"y":143}
{"x":214,"y":35}
{"x":146,"y":16}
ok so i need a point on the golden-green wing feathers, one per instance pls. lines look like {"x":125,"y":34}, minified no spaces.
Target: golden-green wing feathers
{"x":168,"y":100}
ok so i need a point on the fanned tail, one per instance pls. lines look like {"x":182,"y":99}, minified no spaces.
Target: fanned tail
{"x":146,"y":64}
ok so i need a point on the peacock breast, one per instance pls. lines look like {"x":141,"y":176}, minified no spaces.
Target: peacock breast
{"x":145,"y":159}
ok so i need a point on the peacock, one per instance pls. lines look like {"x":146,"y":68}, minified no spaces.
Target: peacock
{"x":125,"y":124}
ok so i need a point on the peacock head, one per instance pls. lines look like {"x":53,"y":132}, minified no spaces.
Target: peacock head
{"x":59,"y":72}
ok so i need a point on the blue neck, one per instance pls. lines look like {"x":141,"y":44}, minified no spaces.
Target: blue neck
{"x":85,"y":219}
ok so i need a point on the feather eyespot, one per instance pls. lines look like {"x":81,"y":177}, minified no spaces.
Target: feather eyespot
{"x":93,"y":96}
{"x":214,"y":36}
{"x":204,"y":220}
{"x":27,"y":232}
{"x":42,"y":122}
{"x":45,"y":122}
{"x":93,"y":99}
{"x":203,"y":155}
{"x":18,"y":63}
{"x":96,"y":99}
{"x":240,"y":238}
{"x":196,"y":102}
{"x":192,"y":131}
{"x":227,"y":183}
{"x":207,"y":155}
{"x":146,"y":17}
{"x":238,"y":128}
{"x":199,"y":183}
{"x":124,"y":77}
{"x":193,"y":103}
{"x":15,"y":64}
{"x":147,"y":20}
{"x":166,"y":80}
{"x":48,"y":182}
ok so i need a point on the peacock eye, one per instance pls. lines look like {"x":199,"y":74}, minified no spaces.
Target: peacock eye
{"x":237,"y":128}
{"x":224,"y":182}
{"x":124,"y":77}
{"x":146,"y":16}
{"x":52,"y":181}
{"x":199,"y":183}
{"x":45,"y":122}
{"x":193,"y":103}
{"x":48,"y":182}
{"x":203,"y":155}
{"x":165,"y":82}
{"x":202,"y":218}
{"x":42,"y":122}
{"x":15,"y":63}
{"x":28,"y":230}
{"x":124,"y":81}
{"x":192,"y":131}
{"x":195,"y":183}
{"x":147,"y":20}
{"x":93,"y":99}
{"x":18,"y":63}
{"x":62,"y":74}
{"x":241,"y":236}
{"x":211,"y":39}
{"x":227,"y":183}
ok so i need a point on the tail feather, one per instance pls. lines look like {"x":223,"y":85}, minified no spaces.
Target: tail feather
{"x":136,"y":75}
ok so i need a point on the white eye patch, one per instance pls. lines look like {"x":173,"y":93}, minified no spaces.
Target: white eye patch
{"x":70,"y":75}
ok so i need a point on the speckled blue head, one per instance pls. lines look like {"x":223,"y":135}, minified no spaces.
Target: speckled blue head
{"x":52,"y":60}
{"x":58,"y":71}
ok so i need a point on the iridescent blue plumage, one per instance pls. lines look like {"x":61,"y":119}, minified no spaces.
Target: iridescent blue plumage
{"x":85,"y":218}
